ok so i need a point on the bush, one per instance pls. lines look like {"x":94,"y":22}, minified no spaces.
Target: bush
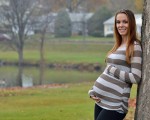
{"x":109,"y":35}
{"x":62,"y":24}
{"x":97,"y":33}
{"x":95,"y":23}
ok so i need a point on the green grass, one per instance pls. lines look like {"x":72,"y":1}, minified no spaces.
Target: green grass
{"x":60,"y":51}
{"x":133,"y":91}
{"x":56,"y":57}
{"x":72,"y":38}
{"x":8,"y":56}
{"x":70,"y":101}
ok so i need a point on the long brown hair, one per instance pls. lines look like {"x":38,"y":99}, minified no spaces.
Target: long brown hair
{"x":132,"y":36}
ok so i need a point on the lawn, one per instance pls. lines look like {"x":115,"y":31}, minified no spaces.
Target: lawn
{"x":61,"y":50}
{"x":65,"y":102}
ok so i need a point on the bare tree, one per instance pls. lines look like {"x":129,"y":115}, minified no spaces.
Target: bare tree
{"x":138,"y":5}
{"x":44,"y":18}
{"x":73,"y":5}
{"x":143,"y":95}
{"x":116,"y":5}
{"x":17,"y":15}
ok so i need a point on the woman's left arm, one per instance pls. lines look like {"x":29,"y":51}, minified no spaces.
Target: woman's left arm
{"x":136,"y":63}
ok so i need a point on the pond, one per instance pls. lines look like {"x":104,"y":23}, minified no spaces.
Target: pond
{"x":31,"y":76}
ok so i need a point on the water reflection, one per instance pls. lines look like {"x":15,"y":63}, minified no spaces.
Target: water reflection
{"x":27,"y":81}
{"x":8,"y":75}
{"x":3,"y":82}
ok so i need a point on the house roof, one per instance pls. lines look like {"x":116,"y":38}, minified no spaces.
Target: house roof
{"x":109,"y":21}
{"x":4,"y":37}
{"x":138,"y":18}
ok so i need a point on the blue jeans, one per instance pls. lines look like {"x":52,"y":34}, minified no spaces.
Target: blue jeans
{"x":103,"y":114}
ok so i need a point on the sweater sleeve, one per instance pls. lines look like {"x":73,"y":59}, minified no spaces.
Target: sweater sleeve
{"x":91,"y":92}
{"x":134,"y":76}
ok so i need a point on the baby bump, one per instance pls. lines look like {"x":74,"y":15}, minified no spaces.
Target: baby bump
{"x":107,"y":86}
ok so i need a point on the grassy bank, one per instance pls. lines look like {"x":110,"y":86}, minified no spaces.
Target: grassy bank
{"x":62,"y":51}
{"x":66,"y":102}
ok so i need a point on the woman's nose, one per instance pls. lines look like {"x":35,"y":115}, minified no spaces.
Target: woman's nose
{"x":121,"y":24}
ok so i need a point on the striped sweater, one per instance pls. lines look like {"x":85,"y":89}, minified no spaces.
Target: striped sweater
{"x":114,"y":84}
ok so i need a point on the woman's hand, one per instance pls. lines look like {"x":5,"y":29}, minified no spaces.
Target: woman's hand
{"x":97,"y":99}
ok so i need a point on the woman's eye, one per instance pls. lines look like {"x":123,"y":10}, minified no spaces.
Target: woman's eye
{"x":117,"y":22}
{"x":125,"y":21}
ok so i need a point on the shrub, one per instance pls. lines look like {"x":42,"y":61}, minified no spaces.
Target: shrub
{"x":95,"y":23}
{"x":62,"y":24}
{"x":109,"y":35}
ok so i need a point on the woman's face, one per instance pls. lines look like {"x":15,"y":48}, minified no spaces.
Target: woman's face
{"x":122,"y":24}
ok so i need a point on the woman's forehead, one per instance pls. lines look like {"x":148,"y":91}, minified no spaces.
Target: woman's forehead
{"x":121,"y":16}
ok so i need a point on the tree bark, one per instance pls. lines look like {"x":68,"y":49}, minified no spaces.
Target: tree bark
{"x":42,"y":60}
{"x":143,"y":93}
{"x":20,"y":67}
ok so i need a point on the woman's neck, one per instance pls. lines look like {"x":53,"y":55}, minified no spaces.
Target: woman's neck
{"x":124,"y":40}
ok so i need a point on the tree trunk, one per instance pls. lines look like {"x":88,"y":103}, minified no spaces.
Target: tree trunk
{"x":143,"y":94}
{"x":42,"y":60}
{"x":20,"y":68}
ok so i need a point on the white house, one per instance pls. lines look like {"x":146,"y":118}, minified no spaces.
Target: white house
{"x":109,"y":25}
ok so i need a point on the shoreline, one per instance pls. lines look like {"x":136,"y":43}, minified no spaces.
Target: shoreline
{"x":63,"y":66}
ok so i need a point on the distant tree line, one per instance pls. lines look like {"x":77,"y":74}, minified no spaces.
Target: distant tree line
{"x":93,"y":5}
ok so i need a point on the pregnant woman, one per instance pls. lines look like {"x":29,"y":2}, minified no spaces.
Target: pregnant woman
{"x":111,"y":90}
